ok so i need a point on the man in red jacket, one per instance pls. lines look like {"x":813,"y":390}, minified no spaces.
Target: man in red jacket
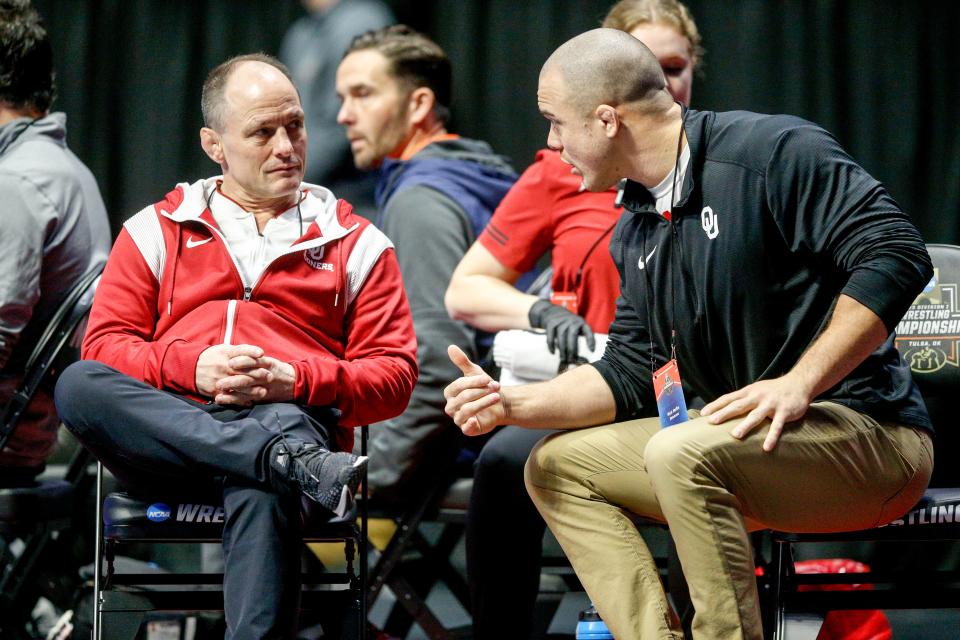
{"x":242,"y":326}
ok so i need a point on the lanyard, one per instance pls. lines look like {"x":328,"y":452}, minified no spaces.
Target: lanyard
{"x":583,"y":263}
{"x":675,"y":240}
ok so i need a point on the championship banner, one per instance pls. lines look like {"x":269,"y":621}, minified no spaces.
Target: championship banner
{"x":929,"y":333}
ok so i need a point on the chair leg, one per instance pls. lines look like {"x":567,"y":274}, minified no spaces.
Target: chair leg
{"x":391,"y":556}
{"x":349,"y":553}
{"x":98,"y":556}
{"x":355,"y":619}
{"x":416,"y":607}
{"x":783,"y":565}
{"x":437,"y":560}
{"x":16,"y":576}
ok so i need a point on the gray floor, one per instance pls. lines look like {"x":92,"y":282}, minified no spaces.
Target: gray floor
{"x":558,"y":607}
{"x":925,"y":625}
{"x":905,"y":624}
{"x":562,"y":606}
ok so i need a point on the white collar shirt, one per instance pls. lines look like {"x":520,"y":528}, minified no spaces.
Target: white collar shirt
{"x":252,"y":250}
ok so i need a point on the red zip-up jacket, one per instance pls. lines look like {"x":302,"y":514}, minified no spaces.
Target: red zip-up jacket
{"x":332,"y":305}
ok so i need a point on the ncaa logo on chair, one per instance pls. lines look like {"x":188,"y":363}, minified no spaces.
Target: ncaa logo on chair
{"x":158,"y":512}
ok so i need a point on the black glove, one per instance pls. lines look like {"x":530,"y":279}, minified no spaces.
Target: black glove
{"x":562,"y":327}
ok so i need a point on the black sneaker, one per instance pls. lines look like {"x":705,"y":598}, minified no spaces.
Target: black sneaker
{"x":330,"y":478}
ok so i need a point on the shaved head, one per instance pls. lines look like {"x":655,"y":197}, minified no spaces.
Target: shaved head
{"x":608,"y":66}
{"x":610,"y":112}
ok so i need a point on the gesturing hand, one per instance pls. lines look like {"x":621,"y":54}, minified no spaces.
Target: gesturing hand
{"x":473,"y":400}
{"x":562,"y":327}
{"x":782,"y":400}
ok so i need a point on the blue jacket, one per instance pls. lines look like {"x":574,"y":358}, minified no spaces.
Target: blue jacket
{"x":433,"y":207}
{"x":466,"y":171}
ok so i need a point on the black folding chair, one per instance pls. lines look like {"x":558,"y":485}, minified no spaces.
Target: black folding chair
{"x":411,"y":564}
{"x":929,"y":340}
{"x":126,"y":600}
{"x":37,"y":513}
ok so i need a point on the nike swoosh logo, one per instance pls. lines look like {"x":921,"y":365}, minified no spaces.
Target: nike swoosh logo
{"x":191,"y":243}
{"x":640,"y":263}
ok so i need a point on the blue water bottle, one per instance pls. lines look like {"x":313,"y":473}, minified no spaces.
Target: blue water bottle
{"x":591,"y":626}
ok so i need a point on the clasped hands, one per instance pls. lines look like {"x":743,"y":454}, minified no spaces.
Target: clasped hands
{"x":243,"y":375}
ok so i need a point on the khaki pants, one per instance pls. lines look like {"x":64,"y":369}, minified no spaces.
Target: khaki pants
{"x":836,"y":469}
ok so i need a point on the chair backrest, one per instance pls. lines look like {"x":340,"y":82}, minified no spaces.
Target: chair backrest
{"x":63,"y":326}
{"x":928,"y":338}
{"x":199,"y":517}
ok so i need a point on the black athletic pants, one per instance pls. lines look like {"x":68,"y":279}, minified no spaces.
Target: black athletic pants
{"x":504,"y":537}
{"x":156,"y":439}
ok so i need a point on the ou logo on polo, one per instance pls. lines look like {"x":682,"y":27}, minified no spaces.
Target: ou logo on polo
{"x":708,"y":220}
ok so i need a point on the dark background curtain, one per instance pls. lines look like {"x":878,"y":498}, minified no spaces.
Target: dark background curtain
{"x":882,"y":75}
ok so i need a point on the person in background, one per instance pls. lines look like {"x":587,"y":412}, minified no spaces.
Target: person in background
{"x":55,"y":226}
{"x":435,"y":194}
{"x":312,"y":48}
{"x":546,"y":211}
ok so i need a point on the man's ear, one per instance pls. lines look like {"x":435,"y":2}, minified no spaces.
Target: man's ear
{"x":420,"y":105}
{"x":609,"y":119}
{"x":210,"y":141}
